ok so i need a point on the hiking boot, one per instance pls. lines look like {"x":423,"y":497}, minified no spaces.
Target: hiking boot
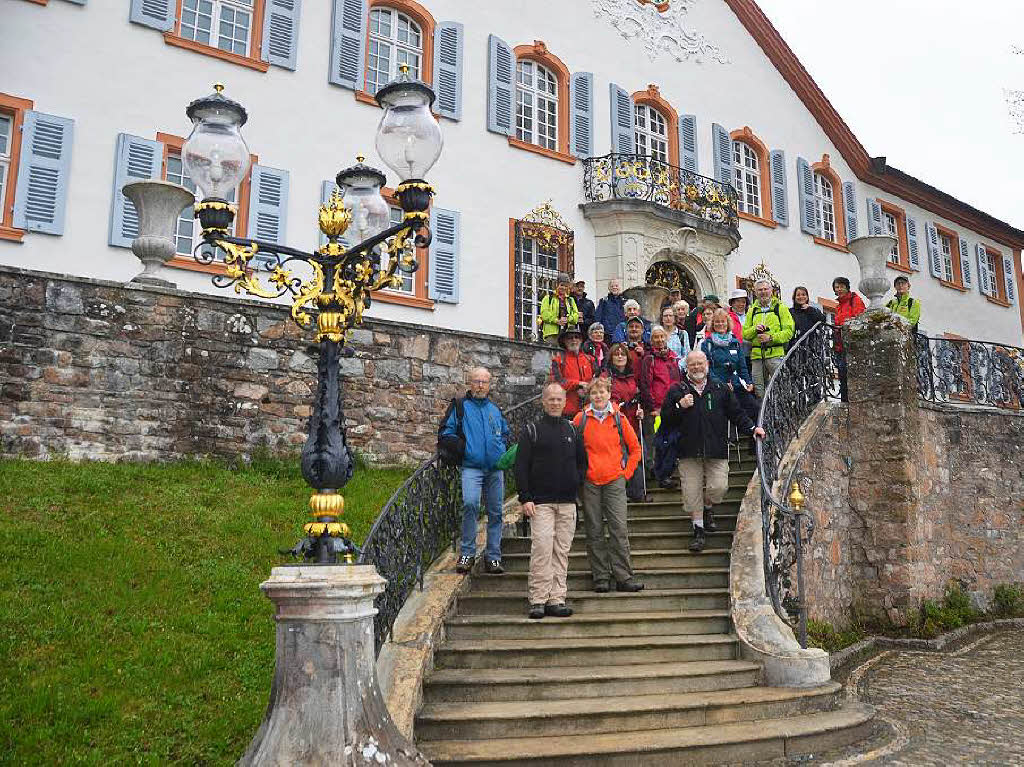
{"x":699,"y":539}
{"x":709,"y":520}
{"x":536,"y":612}
{"x":558,"y":611}
{"x":465,"y":564}
{"x":493,"y":567}
{"x":602,"y":587}
{"x":631,"y":586}
{"x":668,"y":484}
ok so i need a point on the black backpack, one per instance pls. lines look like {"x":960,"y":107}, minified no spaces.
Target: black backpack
{"x":451,"y":449}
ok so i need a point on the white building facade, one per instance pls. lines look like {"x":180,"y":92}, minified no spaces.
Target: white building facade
{"x":93,"y":93}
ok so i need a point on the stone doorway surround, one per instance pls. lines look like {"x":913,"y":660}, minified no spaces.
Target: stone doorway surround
{"x":632,"y":235}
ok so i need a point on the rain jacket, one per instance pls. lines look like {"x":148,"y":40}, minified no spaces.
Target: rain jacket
{"x":658,"y":371}
{"x":604,"y":448}
{"x":850,"y":305}
{"x":610,"y":312}
{"x":569,"y":370}
{"x":485,"y":430}
{"x":779,"y":322}
{"x":549,"y":312}
{"x":727,"y":364}
{"x":907,"y":307}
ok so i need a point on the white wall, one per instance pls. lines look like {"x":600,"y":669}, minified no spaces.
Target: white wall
{"x":89,"y":63}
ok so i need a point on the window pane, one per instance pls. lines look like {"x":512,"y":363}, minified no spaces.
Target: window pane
{"x":5,"y":136}
{"x":536,"y":105}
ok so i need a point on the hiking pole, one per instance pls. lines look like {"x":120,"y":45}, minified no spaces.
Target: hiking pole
{"x":643,"y":460}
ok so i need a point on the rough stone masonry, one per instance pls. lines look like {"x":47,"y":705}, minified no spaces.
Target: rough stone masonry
{"x":101,"y":370}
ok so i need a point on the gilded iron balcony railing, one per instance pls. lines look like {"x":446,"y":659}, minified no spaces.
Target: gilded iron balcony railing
{"x":965,"y":371}
{"x":641,"y":177}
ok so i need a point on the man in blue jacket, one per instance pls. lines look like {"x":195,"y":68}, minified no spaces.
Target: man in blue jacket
{"x":610,"y":311}
{"x":485,"y":431}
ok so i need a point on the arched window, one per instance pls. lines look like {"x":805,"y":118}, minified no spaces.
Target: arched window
{"x":747,"y":172}
{"x":825,"y":208}
{"x":651,"y":132}
{"x":395,"y":39}
{"x":536,"y":104}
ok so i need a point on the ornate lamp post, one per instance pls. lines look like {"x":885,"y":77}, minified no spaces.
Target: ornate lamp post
{"x":334,"y":288}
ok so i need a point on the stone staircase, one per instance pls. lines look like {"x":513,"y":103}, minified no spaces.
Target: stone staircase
{"x":629,"y":679}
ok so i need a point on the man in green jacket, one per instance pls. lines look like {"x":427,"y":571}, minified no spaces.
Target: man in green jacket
{"x":768,"y":326}
{"x":557,"y":310}
{"x":903,"y":305}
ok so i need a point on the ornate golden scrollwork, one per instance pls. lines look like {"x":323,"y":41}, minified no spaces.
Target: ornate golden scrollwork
{"x":334,"y":217}
{"x":547,"y":226}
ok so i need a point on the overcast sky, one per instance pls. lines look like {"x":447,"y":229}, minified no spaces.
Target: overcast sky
{"x":922,"y":82}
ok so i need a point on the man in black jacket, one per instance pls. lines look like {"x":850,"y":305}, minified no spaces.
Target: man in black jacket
{"x":550,"y":465}
{"x":701,"y":409}
{"x":585,"y":305}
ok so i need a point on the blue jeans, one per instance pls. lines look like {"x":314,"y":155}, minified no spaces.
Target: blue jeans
{"x":490,"y":484}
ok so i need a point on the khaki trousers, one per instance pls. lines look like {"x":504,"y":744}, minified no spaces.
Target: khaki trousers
{"x":551,"y":529}
{"x":762,"y":371}
{"x":703,"y":482}
{"x":606,"y":505}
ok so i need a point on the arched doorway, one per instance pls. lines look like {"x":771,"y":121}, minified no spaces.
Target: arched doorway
{"x":674,"y":277}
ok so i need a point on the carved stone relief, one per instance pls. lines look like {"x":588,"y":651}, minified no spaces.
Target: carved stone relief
{"x":660,"y":31}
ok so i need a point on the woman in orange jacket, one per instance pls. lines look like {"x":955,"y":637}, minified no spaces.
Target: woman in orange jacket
{"x":613,"y":453}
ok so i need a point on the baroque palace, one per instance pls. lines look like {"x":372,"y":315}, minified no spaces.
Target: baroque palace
{"x":679,"y":142}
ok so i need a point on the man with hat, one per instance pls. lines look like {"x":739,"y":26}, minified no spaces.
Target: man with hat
{"x":696,"y":318}
{"x":584,"y":304}
{"x":635,"y":341}
{"x":558,"y":311}
{"x":572,"y":369}
{"x":674,"y":295}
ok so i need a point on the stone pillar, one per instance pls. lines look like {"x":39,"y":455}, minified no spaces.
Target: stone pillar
{"x":885,"y":429}
{"x":325,"y":705}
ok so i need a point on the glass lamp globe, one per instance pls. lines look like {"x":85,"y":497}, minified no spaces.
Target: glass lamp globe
{"x":360,"y":187}
{"x":215,"y":154}
{"x":408,"y":138}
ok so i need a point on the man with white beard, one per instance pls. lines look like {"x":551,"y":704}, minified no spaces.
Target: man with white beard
{"x":700,"y":409}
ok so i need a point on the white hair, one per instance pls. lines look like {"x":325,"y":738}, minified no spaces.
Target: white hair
{"x":656,"y":328}
{"x":684,"y":304}
{"x":763,"y":281}
{"x":631,"y":302}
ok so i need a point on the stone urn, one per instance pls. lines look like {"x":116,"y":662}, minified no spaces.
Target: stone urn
{"x":872,"y":253}
{"x":158,"y":205}
{"x":650,"y":298}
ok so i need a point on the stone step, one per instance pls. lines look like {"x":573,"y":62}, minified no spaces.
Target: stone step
{"x":601,"y":651}
{"x":588,"y":603}
{"x":572,"y":682}
{"x":673,"y":623}
{"x":641,"y":560}
{"x":674,"y":508}
{"x":638,"y":541}
{"x":675,"y":523}
{"x":745,"y":741}
{"x":580,"y":580}
{"x":733,"y":493}
{"x":588,"y":716}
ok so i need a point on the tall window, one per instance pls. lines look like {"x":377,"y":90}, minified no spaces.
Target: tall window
{"x":395,"y":39}
{"x":651,"y":133}
{"x":6,"y":140}
{"x":536,"y":104}
{"x":187,"y":231}
{"x":224,"y":24}
{"x":994,"y":262}
{"x":747,"y":174}
{"x":891,"y":228}
{"x":536,"y":271}
{"x":946,"y":250}
{"x":824,"y":207}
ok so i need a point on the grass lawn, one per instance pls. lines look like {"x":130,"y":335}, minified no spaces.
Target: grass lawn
{"x":132,"y":628}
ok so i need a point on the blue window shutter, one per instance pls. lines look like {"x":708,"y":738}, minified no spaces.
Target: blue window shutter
{"x":780,"y":191}
{"x":623,"y":120}
{"x":581,"y":116}
{"x":136,"y":159}
{"x":448,"y":69}
{"x":158,"y":14}
{"x":348,"y":25}
{"x":443,"y":273}
{"x":40,"y":197}
{"x":722,"y":145}
{"x":965,"y":262}
{"x":875,"y":225}
{"x":268,"y":204}
{"x":984,"y":278}
{"x":1011,"y":284}
{"x":850,"y":209}
{"x":281,"y":32}
{"x":805,"y":181}
{"x":935,"y":263}
{"x":501,"y":72}
{"x":688,"y":142}
{"x":915,"y":254}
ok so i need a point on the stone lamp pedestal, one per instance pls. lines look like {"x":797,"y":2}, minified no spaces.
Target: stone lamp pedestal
{"x":158,"y":205}
{"x":872,"y":252}
{"x":325,"y":705}
{"x":650,"y":298}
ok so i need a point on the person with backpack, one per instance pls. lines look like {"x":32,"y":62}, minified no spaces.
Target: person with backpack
{"x":902,"y":303}
{"x":572,"y":369}
{"x":476,"y":423}
{"x":850,"y":305}
{"x":610,"y":311}
{"x":769,"y":327}
{"x":558,"y":310}
{"x":659,"y":369}
{"x":700,"y":409}
{"x":626,"y":394}
{"x":550,"y":465}
{"x":613,"y":454}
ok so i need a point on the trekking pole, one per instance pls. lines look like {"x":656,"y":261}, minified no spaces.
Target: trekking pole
{"x":643,"y":459}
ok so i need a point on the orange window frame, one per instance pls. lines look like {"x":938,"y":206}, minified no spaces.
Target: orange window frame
{"x":652,"y":98}
{"x":15,"y":108}
{"x":172,"y":145}
{"x":900,"y":215}
{"x":419,"y":298}
{"x":539,"y":53}
{"x":252,"y":61}
{"x":566,"y":262}
{"x":427,"y":24}
{"x":747,"y":136}
{"x":1000,"y":278}
{"x":954,"y":247}
{"x":824,"y":167}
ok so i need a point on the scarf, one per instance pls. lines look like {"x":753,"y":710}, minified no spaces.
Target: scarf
{"x":721,"y":339}
{"x":600,"y":415}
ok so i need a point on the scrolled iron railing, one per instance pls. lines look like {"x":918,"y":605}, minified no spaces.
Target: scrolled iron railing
{"x":805,"y":377}
{"x":641,"y":177}
{"x":420,"y":520}
{"x":965,"y":371}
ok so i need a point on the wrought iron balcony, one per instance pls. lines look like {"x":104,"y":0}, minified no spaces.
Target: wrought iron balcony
{"x":641,"y":177}
{"x":974,"y":372}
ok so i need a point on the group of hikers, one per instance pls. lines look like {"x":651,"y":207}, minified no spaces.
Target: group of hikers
{"x":626,"y":398}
